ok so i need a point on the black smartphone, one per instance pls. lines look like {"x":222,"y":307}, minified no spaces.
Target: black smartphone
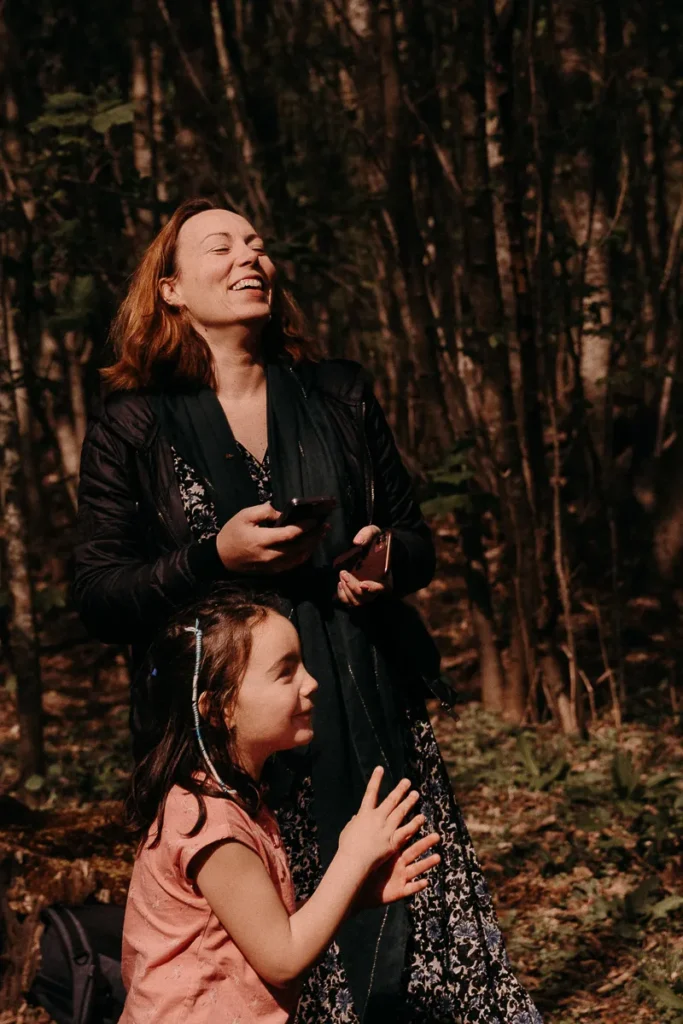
{"x":298,"y":510}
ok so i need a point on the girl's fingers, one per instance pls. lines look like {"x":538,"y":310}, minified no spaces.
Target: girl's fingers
{"x":397,"y":816}
{"x":393,"y":800}
{"x":418,"y":848}
{"x":403,"y":834}
{"x":410,"y":888}
{"x":369,"y":801}
{"x":420,"y":867}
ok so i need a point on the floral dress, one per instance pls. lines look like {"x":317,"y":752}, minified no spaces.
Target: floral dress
{"x":457,"y":970}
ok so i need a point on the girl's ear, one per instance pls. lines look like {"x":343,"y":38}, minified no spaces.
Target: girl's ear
{"x":203,"y":704}
{"x":205,"y":711}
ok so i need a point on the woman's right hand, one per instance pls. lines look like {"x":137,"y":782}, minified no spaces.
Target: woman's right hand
{"x":247,"y":544}
{"x":375,"y":834}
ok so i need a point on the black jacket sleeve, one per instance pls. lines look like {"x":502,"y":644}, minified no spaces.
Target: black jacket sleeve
{"x":122,"y":593}
{"x":413,"y":556}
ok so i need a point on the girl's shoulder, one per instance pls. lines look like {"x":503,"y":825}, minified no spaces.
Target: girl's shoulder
{"x":181,"y":804}
{"x":184,"y":834}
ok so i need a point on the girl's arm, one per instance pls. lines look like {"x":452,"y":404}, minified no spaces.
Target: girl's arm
{"x":239,"y":890}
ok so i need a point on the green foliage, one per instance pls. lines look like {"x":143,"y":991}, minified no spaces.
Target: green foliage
{"x":452,"y":485}
{"x":624,"y":775}
{"x":112,"y":113}
{"x":540,"y":778}
{"x":67,"y":112}
{"x":664,"y":995}
{"x":77,"y":303}
{"x":51,"y":597}
{"x":34,"y":783}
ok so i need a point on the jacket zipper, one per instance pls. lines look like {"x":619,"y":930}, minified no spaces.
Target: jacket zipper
{"x":369,"y":474}
{"x":162,"y":516}
{"x":167,"y":523}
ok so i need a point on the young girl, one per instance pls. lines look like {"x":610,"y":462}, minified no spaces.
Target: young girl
{"x":212,"y":932}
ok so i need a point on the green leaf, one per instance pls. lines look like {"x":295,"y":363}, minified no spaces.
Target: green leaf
{"x":11,"y":684}
{"x":624,"y":774}
{"x":558,"y":768}
{"x":665,"y":907}
{"x":526,"y":753}
{"x":51,"y":597}
{"x":66,"y":101}
{"x":34,"y":783}
{"x":636,"y":902}
{"x":664,"y":995}
{"x":443,"y":506}
{"x":120,"y":113}
{"x":660,"y":778}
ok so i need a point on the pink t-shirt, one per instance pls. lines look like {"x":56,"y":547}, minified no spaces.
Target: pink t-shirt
{"x":179,"y":964}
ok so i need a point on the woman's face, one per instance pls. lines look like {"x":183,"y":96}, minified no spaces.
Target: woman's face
{"x":223,"y":274}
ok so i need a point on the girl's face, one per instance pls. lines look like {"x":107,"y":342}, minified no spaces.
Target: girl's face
{"x":275,"y":700}
{"x":223,"y":274}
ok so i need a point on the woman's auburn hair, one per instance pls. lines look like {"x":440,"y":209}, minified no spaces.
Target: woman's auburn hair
{"x":155,"y":343}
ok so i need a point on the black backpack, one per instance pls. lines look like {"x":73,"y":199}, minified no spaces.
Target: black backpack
{"x":79,"y":978}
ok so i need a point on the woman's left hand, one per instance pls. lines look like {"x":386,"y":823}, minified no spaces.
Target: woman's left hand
{"x":351,"y":591}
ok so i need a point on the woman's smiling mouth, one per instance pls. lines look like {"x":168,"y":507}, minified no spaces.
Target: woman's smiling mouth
{"x":246,"y":283}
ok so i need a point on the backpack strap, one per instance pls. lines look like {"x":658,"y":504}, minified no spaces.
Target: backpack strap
{"x":82,"y":959}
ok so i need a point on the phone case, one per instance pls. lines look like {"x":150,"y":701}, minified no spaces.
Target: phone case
{"x":298,"y":509}
{"x":370,"y":562}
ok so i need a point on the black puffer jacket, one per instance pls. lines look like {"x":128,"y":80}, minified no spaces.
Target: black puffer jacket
{"x":136,"y":560}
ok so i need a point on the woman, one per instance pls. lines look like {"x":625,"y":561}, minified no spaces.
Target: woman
{"x":218,"y":413}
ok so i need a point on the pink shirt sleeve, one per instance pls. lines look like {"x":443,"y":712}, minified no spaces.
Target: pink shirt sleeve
{"x":224,"y":821}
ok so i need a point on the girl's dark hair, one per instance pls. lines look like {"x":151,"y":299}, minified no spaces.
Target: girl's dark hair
{"x":226,"y":620}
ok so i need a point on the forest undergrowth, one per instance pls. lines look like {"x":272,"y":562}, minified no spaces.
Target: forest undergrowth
{"x":579,"y":839}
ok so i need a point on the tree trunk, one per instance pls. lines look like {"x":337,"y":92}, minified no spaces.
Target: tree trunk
{"x":23,"y":636}
{"x":248,"y":164}
{"x":435,"y":436}
{"x":58,"y":414}
{"x":485,"y":312}
{"x":142,"y":111}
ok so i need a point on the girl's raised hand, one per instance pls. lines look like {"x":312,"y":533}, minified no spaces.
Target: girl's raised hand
{"x":402,"y":875}
{"x":376,"y":833}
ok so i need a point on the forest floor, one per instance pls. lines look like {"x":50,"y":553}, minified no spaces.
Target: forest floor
{"x":579,"y":839}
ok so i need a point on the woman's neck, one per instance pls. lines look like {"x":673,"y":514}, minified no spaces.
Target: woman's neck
{"x":237,"y":360}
